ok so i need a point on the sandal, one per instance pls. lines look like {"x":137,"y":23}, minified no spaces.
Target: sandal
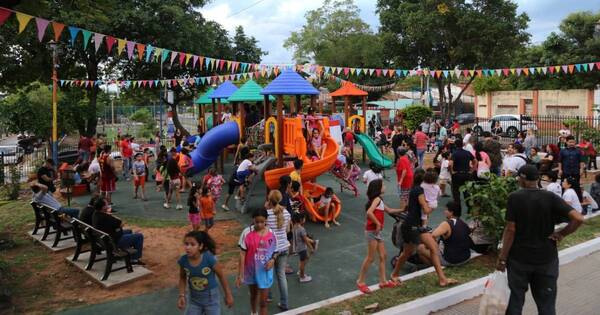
{"x":449,"y":282}
{"x":396,"y":280}
{"x":363,"y":288}
{"x":389,"y":284}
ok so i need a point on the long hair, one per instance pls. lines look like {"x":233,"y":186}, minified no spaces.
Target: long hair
{"x":373,"y":191}
{"x":418,"y":177}
{"x":192,"y":196}
{"x":478,"y":148}
{"x":208,"y":244}
{"x":274,"y":200}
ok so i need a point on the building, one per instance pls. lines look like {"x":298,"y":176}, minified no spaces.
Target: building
{"x":537,"y":102}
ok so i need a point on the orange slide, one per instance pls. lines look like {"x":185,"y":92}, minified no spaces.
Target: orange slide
{"x":295,"y":144}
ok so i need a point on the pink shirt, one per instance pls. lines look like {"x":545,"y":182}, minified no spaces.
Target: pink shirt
{"x":420,"y":139}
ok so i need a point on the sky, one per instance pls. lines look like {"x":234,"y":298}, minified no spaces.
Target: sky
{"x":272,"y":21}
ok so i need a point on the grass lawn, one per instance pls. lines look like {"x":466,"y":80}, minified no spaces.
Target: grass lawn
{"x":427,"y":284}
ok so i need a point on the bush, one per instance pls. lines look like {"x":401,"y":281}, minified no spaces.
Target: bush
{"x":414,"y":115}
{"x":487,"y":202}
{"x":145,"y":117}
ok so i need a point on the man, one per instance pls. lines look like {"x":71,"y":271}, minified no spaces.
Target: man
{"x":46,"y":175}
{"x":421,"y":139}
{"x":87,"y":213}
{"x":493,"y":148}
{"x":44,"y":197}
{"x":404,"y":176}
{"x":425,"y":126}
{"x":571,"y":163}
{"x":84,"y":147}
{"x":462,"y":164}
{"x":515,"y":159}
{"x":443,"y":135}
{"x":529,"y":242}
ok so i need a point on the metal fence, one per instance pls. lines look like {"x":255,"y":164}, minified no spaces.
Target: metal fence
{"x":19,"y":163}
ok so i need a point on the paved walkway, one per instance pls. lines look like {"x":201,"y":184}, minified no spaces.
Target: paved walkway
{"x":577,"y":291}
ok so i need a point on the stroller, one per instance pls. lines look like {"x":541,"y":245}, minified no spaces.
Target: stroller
{"x":398,"y":241}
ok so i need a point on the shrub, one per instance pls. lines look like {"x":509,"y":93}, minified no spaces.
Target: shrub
{"x":414,"y":115}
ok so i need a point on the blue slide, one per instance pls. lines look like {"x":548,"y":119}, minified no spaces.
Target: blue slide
{"x":213,"y":142}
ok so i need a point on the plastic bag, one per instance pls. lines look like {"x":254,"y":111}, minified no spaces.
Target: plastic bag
{"x":495,"y":296}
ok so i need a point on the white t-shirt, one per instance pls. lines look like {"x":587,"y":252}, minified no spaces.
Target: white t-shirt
{"x":94,"y":167}
{"x":432,"y":193}
{"x":444,"y":173}
{"x":244,"y":166}
{"x":555,"y":188}
{"x":513,"y":163}
{"x":587,"y":195}
{"x":226,"y":117}
{"x":570,"y":196}
{"x":466,"y":140}
{"x":370,"y":176}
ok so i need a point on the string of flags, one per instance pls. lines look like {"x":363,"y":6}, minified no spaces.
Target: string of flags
{"x":368,"y":88}
{"x":150,"y":53}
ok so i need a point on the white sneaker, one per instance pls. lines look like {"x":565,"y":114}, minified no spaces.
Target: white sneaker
{"x":306,"y":278}
{"x":236,"y":197}
{"x":166,"y":205}
{"x":226,"y":208}
{"x":316,"y":246}
{"x":179,"y":207}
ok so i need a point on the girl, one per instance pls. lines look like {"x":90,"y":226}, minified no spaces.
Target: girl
{"x":197,"y":270}
{"x":572,"y":193}
{"x":242,"y":146}
{"x":432,"y":192}
{"x":352,"y":171}
{"x":185,"y":167}
{"x":207,"y":209}
{"x":483,"y":161}
{"x":215,"y":184}
{"x":325,"y":206}
{"x":372,"y":174}
{"x":257,"y":259}
{"x":161,"y":161}
{"x":174,"y":180}
{"x":278,"y":221}
{"x":302,"y":244}
{"x":193,"y":211}
{"x":444,"y":173}
{"x":139,"y":176}
{"x":375,"y":244}
{"x":316,"y":142}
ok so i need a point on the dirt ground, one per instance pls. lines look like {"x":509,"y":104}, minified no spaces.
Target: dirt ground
{"x":70,"y":287}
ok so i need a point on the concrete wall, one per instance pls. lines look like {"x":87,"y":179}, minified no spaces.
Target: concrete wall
{"x":535,"y":102}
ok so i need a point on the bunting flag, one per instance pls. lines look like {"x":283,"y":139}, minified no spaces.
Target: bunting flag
{"x":23,"y":20}
{"x":110,"y":42}
{"x":86,"y":38}
{"x":4,"y":15}
{"x":42,"y":24}
{"x":57,"y":28}
{"x":73,"y":31}
{"x":97,"y":41}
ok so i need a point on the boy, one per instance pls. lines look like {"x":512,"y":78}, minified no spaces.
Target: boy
{"x":139,"y":175}
{"x":295,"y":174}
{"x":302,"y":243}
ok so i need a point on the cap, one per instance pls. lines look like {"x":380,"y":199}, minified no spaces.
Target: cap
{"x":529,"y":172}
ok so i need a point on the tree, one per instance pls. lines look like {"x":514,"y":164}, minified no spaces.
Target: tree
{"x":246,"y":47}
{"x":451,"y":34}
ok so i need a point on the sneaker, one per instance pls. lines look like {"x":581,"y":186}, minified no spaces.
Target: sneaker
{"x":306,"y":278}
{"x":179,"y":207}
{"x":226,"y":208}
{"x":282,"y":308}
{"x":289,"y":270}
{"x":166,"y":205}
{"x":316,"y":246}
{"x":236,"y":197}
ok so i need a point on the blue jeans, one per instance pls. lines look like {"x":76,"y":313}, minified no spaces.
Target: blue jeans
{"x":421,"y":156}
{"x":72,"y":212}
{"x":126,"y":167}
{"x":135,"y":240}
{"x":280,"y":264}
{"x":84,"y":155}
{"x":204,"y":303}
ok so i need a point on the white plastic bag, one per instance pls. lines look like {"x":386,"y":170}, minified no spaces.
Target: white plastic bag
{"x":495,"y":296}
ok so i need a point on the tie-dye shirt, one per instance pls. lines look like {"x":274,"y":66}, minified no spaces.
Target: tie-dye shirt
{"x":259,"y":250}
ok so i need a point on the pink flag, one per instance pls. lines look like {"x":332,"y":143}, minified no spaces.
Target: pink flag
{"x":173,"y":55}
{"x":130,"y":46}
{"x":41,"y":27}
{"x":98,"y":40}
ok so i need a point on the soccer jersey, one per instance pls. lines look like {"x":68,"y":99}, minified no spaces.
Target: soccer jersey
{"x":259,"y":250}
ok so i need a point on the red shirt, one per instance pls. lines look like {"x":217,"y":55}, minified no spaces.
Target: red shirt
{"x":349,"y":137}
{"x":404,"y":164}
{"x":126,"y":149}
{"x":379,"y":215}
{"x":420,"y":139}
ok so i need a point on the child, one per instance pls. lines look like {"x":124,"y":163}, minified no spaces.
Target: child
{"x":432,"y":192}
{"x":325,"y":206}
{"x":207,"y":208}
{"x":372,"y":174}
{"x":572,"y":193}
{"x":240,"y":178}
{"x":444,"y":173}
{"x":352,"y":171}
{"x":295,"y":174}
{"x":193,"y":204}
{"x":257,"y":244}
{"x":554,"y":185}
{"x":197,"y":270}
{"x":302,"y":243}
{"x":215,"y":184}
{"x":376,"y":246}
{"x":296,"y":198}
{"x":139,"y":176}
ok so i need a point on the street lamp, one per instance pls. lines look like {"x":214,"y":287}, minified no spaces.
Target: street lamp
{"x":54,"y":47}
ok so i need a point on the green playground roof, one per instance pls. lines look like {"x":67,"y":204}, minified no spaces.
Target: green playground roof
{"x":205,"y":99}
{"x":249,"y":92}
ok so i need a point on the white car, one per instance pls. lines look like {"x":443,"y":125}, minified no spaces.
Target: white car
{"x":508,"y":125}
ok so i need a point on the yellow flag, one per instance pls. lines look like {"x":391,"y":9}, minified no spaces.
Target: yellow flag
{"x":158,"y":53}
{"x":187,"y":58}
{"x":23,"y":20}
{"x":120,"y":45}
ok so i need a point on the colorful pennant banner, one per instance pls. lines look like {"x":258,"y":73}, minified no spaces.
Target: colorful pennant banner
{"x":150,"y":53}
{"x":368,"y":88}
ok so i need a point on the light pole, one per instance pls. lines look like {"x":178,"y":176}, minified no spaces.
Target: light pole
{"x":54,"y":46}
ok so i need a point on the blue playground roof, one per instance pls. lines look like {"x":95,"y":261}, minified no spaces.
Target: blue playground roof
{"x":224,"y":90}
{"x":289,"y":82}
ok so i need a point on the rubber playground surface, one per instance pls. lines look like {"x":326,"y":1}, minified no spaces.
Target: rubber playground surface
{"x":334,"y":267}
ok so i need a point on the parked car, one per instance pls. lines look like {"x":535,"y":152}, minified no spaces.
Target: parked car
{"x":509,"y":125}
{"x":11,"y":154}
{"x":465,"y":118}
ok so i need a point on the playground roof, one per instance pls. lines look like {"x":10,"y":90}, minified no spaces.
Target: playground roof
{"x":223,"y":91}
{"x":249,"y":92}
{"x":289,"y":82}
{"x":205,"y":99}
{"x":348,"y":89}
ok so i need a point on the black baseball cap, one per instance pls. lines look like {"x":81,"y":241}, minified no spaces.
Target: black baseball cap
{"x":529,"y":172}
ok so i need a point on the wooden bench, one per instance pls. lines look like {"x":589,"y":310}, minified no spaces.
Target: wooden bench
{"x":55,"y":224}
{"x":102,"y":242}
{"x":39,"y":217}
{"x":81,"y":240}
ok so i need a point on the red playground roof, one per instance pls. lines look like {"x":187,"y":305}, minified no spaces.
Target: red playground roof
{"x":348,"y":89}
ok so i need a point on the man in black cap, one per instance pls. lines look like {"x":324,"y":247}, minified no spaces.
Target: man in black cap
{"x":529,"y":242}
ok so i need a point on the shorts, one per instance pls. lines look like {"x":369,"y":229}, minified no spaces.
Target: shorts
{"x":208,"y":222}
{"x":175,"y":183}
{"x":374,"y":236}
{"x":445,"y":263}
{"x":194,"y":218}
{"x":410,"y":234}
{"x":139,"y":180}
{"x":206,"y":302}
{"x":108,"y":185}
{"x":263,"y":279}
{"x":444,"y":181}
{"x":404,"y":193}
{"x":303,"y":254}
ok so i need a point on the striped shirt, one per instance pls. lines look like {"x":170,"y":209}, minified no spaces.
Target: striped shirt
{"x":280,"y":233}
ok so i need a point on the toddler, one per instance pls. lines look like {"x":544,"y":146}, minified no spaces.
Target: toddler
{"x":207,"y":209}
{"x":444,"y":173}
{"x":139,"y":176}
{"x":302,"y":243}
{"x":193,"y":210}
{"x":432,"y":192}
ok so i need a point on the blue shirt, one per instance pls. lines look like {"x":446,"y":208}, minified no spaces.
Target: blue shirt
{"x":570,"y":158}
{"x":200,"y":278}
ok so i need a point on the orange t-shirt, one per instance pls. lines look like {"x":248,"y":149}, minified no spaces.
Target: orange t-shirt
{"x":207,"y":207}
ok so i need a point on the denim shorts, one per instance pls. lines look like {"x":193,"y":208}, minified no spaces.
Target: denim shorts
{"x":206,"y":302}
{"x":374,"y":236}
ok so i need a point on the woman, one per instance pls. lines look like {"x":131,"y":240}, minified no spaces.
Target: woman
{"x":496,"y":128}
{"x":530,"y":141}
{"x":316,"y":141}
{"x":454,"y":233}
{"x":549,"y":162}
{"x":484,"y":163}
{"x":414,"y":233}
{"x":278,"y":220}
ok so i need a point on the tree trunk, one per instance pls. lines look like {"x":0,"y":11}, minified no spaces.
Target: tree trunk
{"x":175,"y":116}
{"x":463,"y":90}
{"x":450,"y":101}
{"x":442,"y":96}
{"x":92,"y":72}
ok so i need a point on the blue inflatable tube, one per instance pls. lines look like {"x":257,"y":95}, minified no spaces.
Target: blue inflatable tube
{"x":213,"y":142}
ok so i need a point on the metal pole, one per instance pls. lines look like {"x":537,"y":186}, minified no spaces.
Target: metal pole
{"x":112,"y":109}
{"x":160,"y":110}
{"x":54,"y":104}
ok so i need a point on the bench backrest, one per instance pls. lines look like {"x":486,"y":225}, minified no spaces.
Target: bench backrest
{"x":99,"y":239}
{"x":79,"y":229}
{"x":37,"y":211}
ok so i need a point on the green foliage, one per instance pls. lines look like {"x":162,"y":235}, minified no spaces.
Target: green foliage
{"x":246,"y":47}
{"x":489,"y":84}
{"x":487,"y":202}
{"x":414,"y":115}
{"x":145,"y":117}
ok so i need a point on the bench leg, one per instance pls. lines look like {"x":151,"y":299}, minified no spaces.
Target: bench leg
{"x":57,"y":238}
{"x":46,"y":232}
{"x":128,"y":264}
{"x":37,"y":226}
{"x":107,"y":269}
{"x":77,"y":251}
{"x":92,"y":259}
